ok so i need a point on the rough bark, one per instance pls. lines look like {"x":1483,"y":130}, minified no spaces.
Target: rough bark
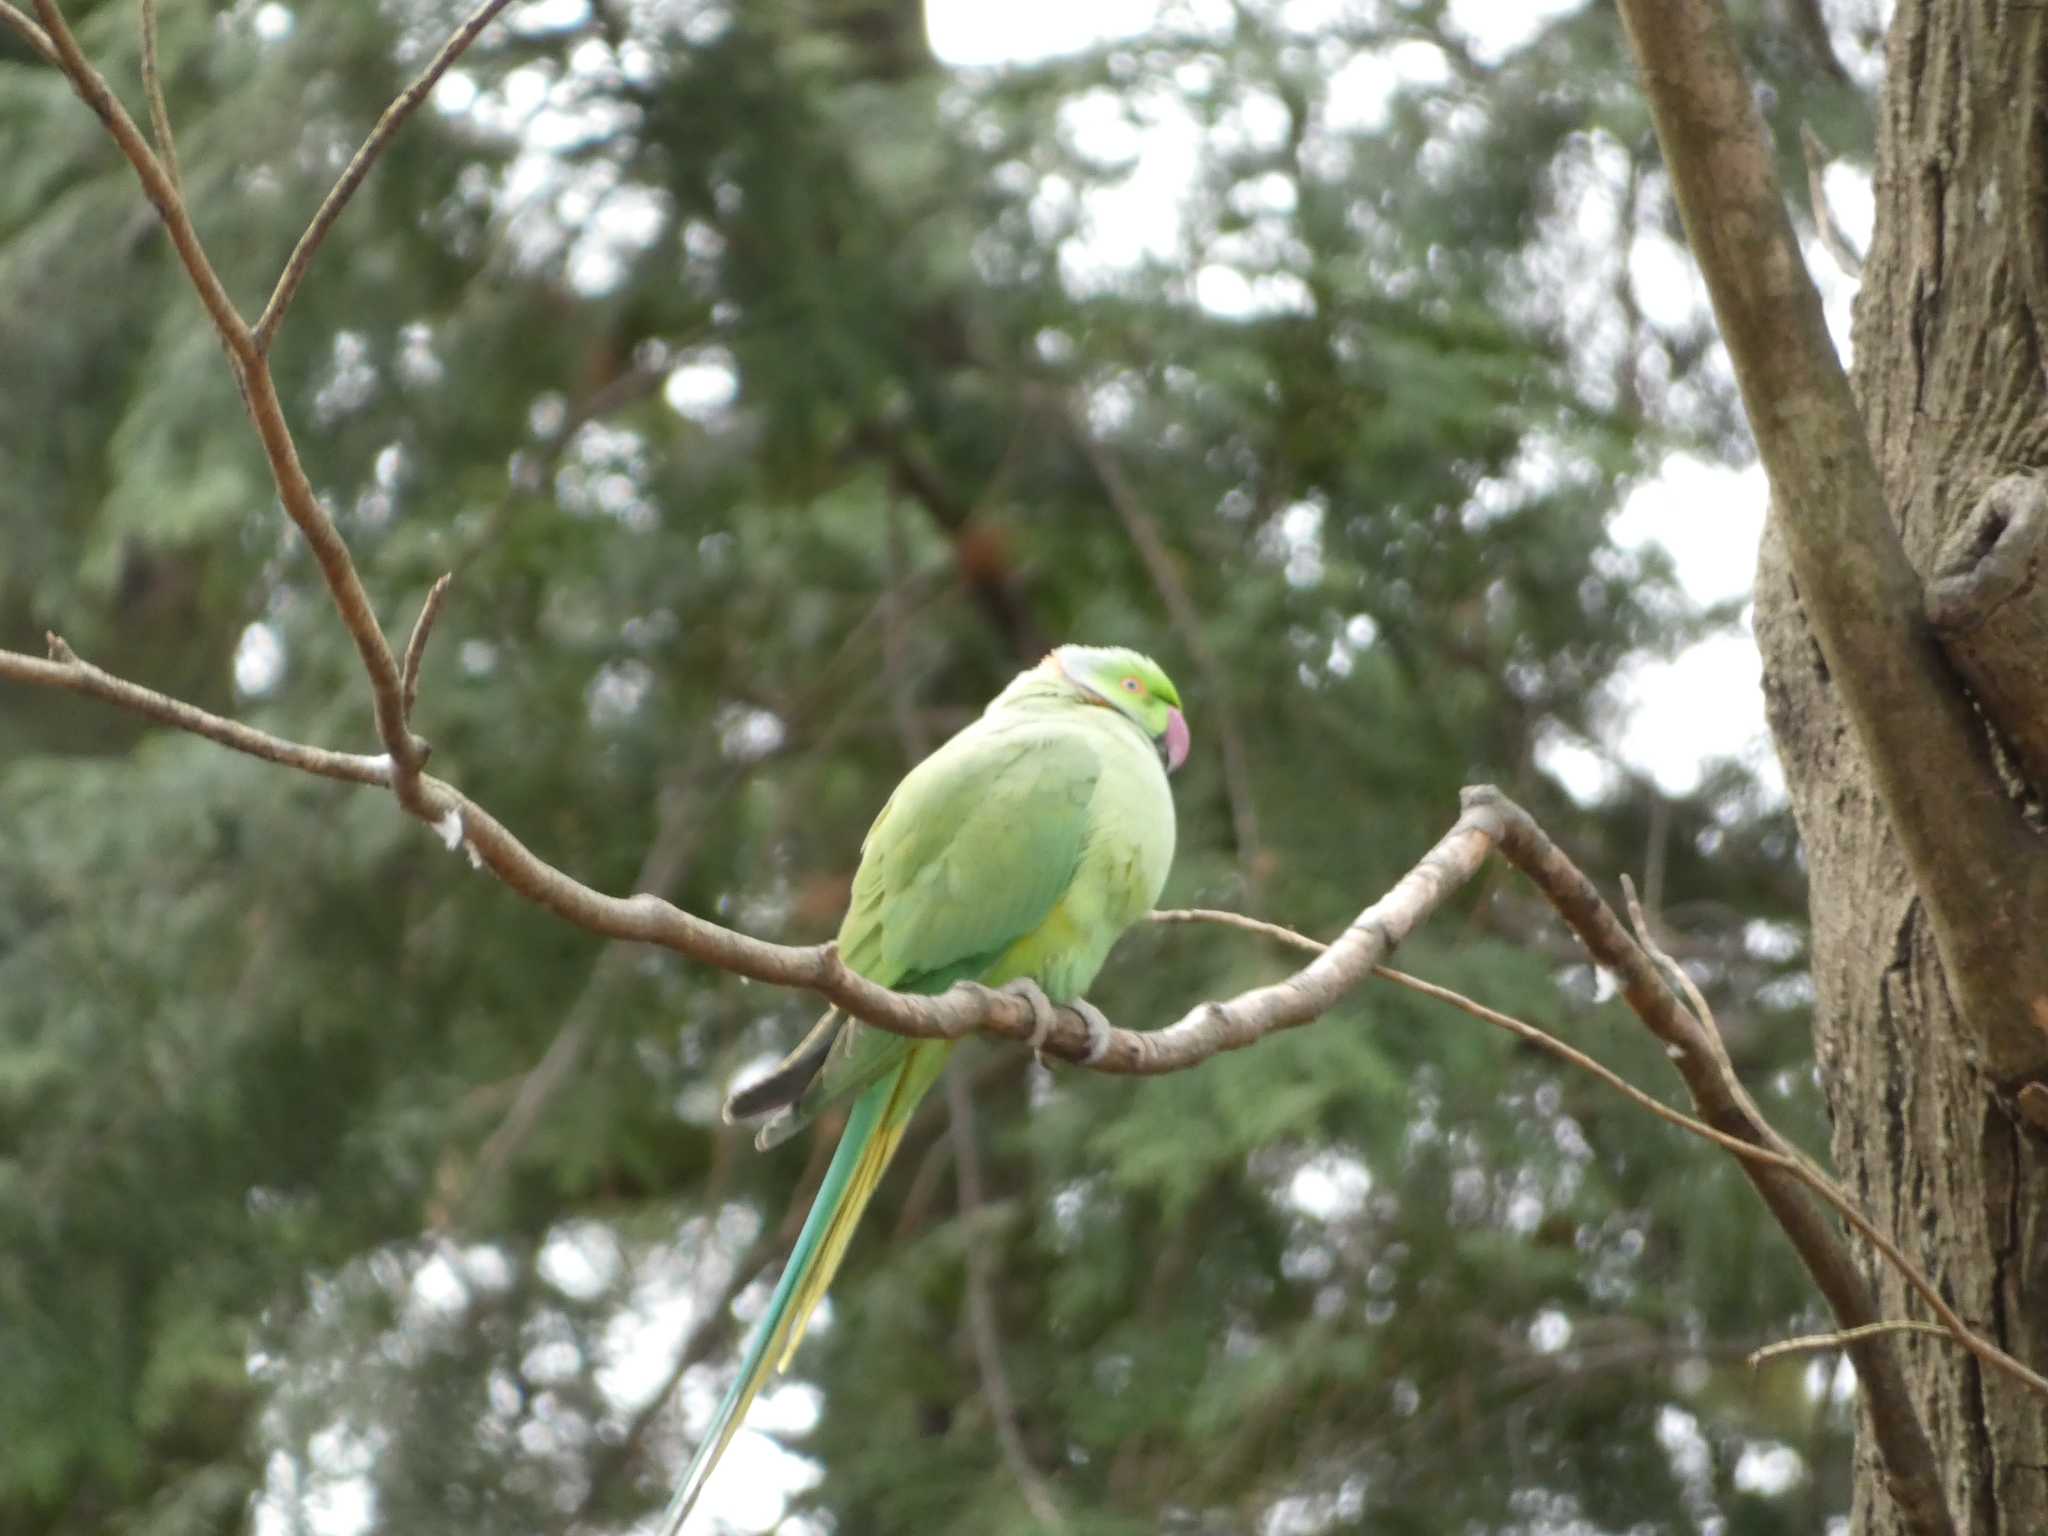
{"x":1949,"y":374}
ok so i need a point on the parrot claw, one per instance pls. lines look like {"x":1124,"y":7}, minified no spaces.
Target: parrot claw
{"x":1042,"y":1013}
{"x":1098,"y":1030}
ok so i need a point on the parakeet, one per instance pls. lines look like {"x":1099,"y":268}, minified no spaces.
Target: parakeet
{"x":1019,"y":850}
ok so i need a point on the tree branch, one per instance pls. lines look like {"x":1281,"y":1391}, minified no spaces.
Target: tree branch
{"x":416,"y":647}
{"x":1812,"y":1343}
{"x":302,"y":505}
{"x":30,"y":33}
{"x":1912,"y":1472}
{"x":359,"y":166}
{"x":1978,"y":866}
{"x":65,"y":670}
{"x":1833,"y":238}
{"x":1769,"y":1148}
{"x":406,"y":751}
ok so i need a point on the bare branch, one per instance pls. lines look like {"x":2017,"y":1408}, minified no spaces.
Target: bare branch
{"x":359,"y":166}
{"x":1812,"y":1343}
{"x":1901,"y":1439}
{"x":65,"y":670}
{"x":1271,"y":931}
{"x":302,"y":505}
{"x":1769,"y":1148}
{"x":1981,"y":871}
{"x":259,"y":392}
{"x":156,"y":182}
{"x":32,"y":34}
{"x":153,"y":88}
{"x":965,"y":1009}
{"x":416,"y":647}
{"x":981,"y":1309}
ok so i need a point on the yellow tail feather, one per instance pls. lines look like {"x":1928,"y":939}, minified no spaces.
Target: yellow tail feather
{"x":867,"y":1174}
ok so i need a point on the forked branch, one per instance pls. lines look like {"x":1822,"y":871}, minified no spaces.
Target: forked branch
{"x":1979,"y":868}
{"x":358,"y":167}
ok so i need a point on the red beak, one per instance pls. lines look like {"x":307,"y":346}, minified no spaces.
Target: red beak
{"x":1176,"y":739}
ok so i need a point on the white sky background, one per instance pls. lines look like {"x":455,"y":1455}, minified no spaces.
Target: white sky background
{"x":1671,"y":717}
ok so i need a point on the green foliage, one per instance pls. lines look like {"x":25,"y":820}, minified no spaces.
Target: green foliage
{"x":1389,"y":1272}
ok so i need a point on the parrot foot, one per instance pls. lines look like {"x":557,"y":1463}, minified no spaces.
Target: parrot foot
{"x":1098,"y":1029}
{"x":1042,"y":1013}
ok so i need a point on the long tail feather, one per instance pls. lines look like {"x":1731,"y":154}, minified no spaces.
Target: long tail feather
{"x":873,"y":1129}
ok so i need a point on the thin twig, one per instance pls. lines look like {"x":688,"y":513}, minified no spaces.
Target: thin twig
{"x":156,"y":183}
{"x":153,"y":88}
{"x":1556,"y":1047}
{"x":32,"y":34}
{"x":260,"y":394}
{"x":1767,"y":1147}
{"x":359,"y":166}
{"x":416,"y":647}
{"x":1813,"y":1343}
{"x":1824,"y":1186}
{"x":1272,"y":931}
{"x":1912,"y":1471}
{"x":63,"y":669}
{"x":1527,"y":1031}
{"x":303,"y":506}
{"x":981,"y":1310}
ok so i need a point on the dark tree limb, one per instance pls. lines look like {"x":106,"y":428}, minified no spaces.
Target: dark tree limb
{"x":1980,"y":869}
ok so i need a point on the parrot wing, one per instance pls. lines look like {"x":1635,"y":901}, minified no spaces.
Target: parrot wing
{"x":972,"y":853}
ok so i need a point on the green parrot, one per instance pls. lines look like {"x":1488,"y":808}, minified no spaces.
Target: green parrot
{"x":1015,"y":855}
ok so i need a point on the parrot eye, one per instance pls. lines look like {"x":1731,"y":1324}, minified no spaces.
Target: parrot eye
{"x":1132,"y":685}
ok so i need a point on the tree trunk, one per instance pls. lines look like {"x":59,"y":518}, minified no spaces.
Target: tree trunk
{"x":1949,"y":373}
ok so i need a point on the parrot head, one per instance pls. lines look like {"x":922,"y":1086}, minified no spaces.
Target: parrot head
{"x":1134,"y":686}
